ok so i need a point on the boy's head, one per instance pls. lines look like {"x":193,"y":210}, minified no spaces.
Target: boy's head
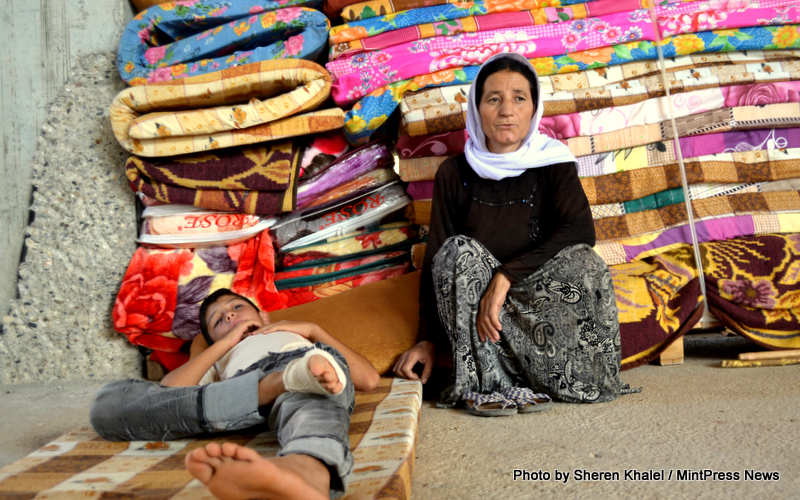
{"x":223,"y":310}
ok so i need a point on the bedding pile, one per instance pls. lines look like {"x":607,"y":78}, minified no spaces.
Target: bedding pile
{"x":237,"y":153}
{"x":732,"y":74}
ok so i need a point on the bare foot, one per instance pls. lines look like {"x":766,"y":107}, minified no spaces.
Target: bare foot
{"x":323,"y":371}
{"x":233,"y":472}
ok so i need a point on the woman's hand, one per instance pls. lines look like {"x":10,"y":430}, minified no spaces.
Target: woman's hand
{"x":425,"y":353}
{"x":488,"y":320}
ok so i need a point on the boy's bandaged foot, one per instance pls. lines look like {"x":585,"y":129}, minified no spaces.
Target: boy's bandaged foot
{"x":297,"y":376}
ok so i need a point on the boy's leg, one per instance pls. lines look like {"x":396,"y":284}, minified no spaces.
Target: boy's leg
{"x":130,"y":410}
{"x":312,"y":430}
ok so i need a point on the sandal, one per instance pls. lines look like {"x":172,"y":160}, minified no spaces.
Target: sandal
{"x":528,"y":401}
{"x":489,"y":405}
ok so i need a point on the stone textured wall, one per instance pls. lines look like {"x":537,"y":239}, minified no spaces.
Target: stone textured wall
{"x":58,"y":73}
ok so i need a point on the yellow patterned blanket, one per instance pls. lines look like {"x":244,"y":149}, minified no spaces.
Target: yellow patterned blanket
{"x":81,"y":465}
{"x":242,"y":105}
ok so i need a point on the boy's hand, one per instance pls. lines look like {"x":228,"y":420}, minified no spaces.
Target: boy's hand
{"x":241,"y":331}
{"x":302,"y":328}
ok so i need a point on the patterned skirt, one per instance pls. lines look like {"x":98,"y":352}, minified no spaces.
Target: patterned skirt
{"x":560,"y":327}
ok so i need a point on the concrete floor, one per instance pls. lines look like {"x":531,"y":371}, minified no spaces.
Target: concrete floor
{"x":693,"y":416}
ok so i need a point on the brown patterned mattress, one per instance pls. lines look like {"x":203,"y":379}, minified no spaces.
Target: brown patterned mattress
{"x":82,"y":465}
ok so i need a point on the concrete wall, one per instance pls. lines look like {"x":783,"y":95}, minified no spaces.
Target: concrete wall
{"x":41,"y":40}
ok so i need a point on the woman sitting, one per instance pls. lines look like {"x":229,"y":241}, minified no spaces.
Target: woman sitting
{"x":524,"y":303}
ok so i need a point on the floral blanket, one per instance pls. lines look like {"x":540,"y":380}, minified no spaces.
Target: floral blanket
{"x":81,"y":465}
{"x":196,"y":37}
{"x":255,"y":180}
{"x":641,"y":247}
{"x":158,"y":304}
{"x":447,"y":144}
{"x":754,"y":287}
{"x":580,"y":112}
{"x":243,"y":105}
{"x":373,"y":107}
{"x":375,"y":33}
{"x":704,"y":149}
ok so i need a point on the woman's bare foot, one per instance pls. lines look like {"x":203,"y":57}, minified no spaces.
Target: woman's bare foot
{"x":325,"y":374}
{"x":233,"y":472}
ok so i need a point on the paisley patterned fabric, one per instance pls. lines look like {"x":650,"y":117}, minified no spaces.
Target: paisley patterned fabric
{"x":196,"y":37}
{"x":560,"y":329}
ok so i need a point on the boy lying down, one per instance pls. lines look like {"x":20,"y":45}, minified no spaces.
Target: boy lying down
{"x":296,"y":373}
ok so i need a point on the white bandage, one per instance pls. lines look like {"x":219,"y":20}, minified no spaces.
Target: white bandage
{"x":298,"y":378}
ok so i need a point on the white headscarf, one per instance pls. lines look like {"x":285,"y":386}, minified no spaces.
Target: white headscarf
{"x":537,"y":150}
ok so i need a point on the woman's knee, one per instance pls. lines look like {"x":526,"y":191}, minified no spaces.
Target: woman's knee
{"x":462,"y":250}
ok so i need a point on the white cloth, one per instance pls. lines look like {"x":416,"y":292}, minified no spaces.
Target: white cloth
{"x":250,"y":350}
{"x":536,"y":150}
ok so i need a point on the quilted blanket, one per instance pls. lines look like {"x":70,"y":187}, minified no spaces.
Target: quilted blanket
{"x":375,"y":33}
{"x":753,"y":287}
{"x":81,"y":465}
{"x":373,"y":107}
{"x":640,"y":247}
{"x":447,"y":144}
{"x":254,"y":180}
{"x":360,"y":242}
{"x":190,"y":38}
{"x":243,"y":105}
{"x":443,"y":109}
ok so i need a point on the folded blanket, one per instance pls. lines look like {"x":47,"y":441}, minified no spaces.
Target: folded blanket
{"x":243,"y":105}
{"x":254,"y":180}
{"x":672,"y":197}
{"x":744,"y":167}
{"x":345,"y":169}
{"x":419,"y":212}
{"x":374,"y":8}
{"x":372,"y":70}
{"x":447,"y":144}
{"x":420,"y":169}
{"x":718,"y":120}
{"x":306,"y":294}
{"x":420,"y":190}
{"x":375,"y":33}
{"x":198,"y":37}
{"x":158,"y":304}
{"x":657,"y":301}
{"x":641,"y":247}
{"x":662,"y":154}
{"x":362,"y":242}
{"x":444,"y":109}
{"x":315,"y":225}
{"x":362,"y":184}
{"x":374,"y":107}
{"x":753,"y":287}
{"x":623,"y":227}
{"x":322,"y":273}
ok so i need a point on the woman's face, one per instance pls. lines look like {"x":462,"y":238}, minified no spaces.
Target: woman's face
{"x":506,"y":108}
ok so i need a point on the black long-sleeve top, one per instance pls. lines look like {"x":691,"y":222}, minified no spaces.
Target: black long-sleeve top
{"x":523,"y":221}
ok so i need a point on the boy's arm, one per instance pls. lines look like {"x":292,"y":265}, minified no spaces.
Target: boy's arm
{"x":362,"y":373}
{"x":193,"y":370}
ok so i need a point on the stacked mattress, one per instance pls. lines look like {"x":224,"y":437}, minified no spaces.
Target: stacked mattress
{"x":732,"y":73}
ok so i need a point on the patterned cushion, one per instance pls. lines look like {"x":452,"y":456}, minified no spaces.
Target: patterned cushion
{"x":78,"y":465}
